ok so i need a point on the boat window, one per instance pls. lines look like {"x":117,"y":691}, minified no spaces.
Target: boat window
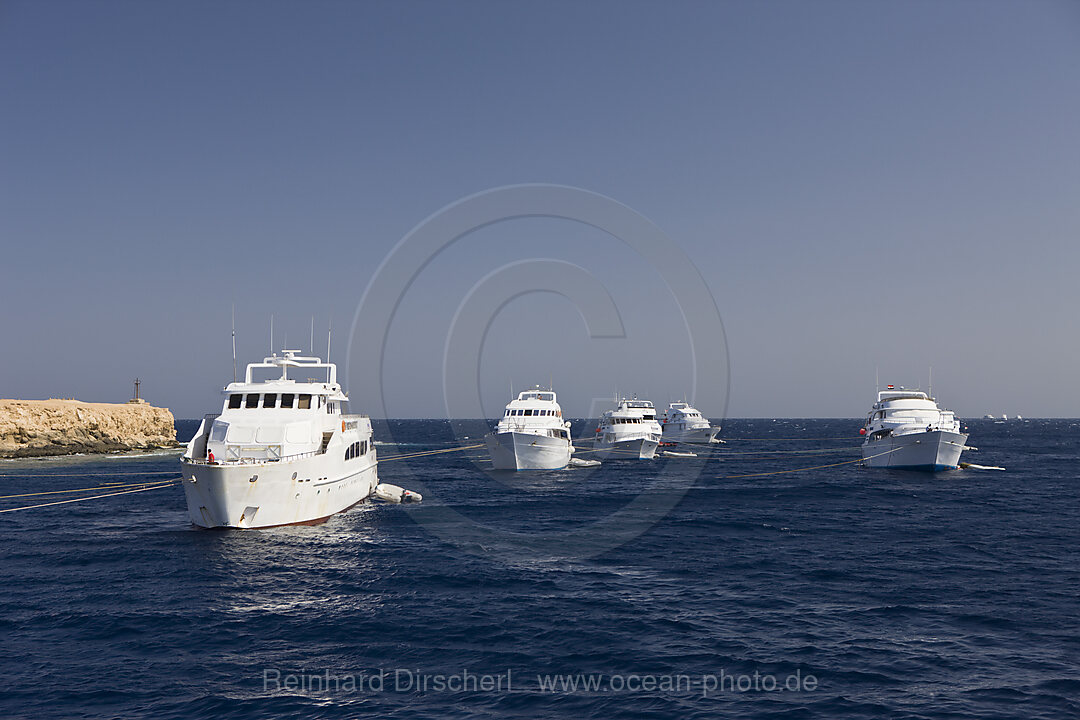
{"x":252,"y":400}
{"x":363,"y":447}
{"x":286,"y":400}
{"x":234,"y":401}
{"x":305,"y":402}
{"x":528,"y":413}
{"x":270,"y":400}
{"x":218,"y":430}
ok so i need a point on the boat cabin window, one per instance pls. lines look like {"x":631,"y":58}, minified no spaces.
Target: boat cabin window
{"x":270,"y":400}
{"x":234,"y":401}
{"x":305,"y":402}
{"x":287,"y":400}
{"x":252,"y":401}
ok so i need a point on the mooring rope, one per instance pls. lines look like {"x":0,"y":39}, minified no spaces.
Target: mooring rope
{"x":815,"y":467}
{"x":425,"y":453}
{"x":164,"y":484}
{"x":100,"y":487}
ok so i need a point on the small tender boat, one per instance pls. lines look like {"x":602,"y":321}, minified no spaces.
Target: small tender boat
{"x":677,"y":454}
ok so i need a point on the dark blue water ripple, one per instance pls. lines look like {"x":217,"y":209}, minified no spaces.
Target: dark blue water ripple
{"x":904,"y":595}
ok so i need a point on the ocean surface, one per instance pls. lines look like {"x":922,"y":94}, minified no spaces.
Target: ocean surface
{"x":677,"y":588}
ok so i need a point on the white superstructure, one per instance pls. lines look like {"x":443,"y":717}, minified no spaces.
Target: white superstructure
{"x":629,"y":431}
{"x":907,"y":429}
{"x":685,"y":424}
{"x":531,"y":435}
{"x":281,"y":451}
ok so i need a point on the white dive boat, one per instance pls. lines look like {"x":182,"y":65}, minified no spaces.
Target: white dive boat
{"x":280,"y":452}
{"x":629,"y":431}
{"x":906,"y":429}
{"x":685,"y":424}
{"x":531,"y":435}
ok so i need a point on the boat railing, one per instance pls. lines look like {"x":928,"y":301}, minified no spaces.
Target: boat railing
{"x":253,"y":461}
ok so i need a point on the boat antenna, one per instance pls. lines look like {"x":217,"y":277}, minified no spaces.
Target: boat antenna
{"x":329,"y":330}
{"x":930,"y":387}
{"x":877,"y":380}
{"x":234,"y":342}
{"x":271,"y":334}
{"x":311,"y":347}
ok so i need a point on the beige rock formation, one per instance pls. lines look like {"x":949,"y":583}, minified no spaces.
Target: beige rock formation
{"x":62,"y":427}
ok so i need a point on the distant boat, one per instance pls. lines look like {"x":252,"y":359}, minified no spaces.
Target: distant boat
{"x":531,"y":435}
{"x":1004,"y":417}
{"x":685,"y":424}
{"x":907,"y":429}
{"x":628,"y":431}
{"x":989,"y":417}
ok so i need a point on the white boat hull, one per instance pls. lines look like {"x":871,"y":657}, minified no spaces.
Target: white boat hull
{"x":303,"y":491}
{"x":933,"y":451}
{"x":637,"y":449}
{"x":696,"y":436}
{"x":525,"y":451}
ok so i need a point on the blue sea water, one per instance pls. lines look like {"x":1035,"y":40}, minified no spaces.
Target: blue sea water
{"x":673,"y":588}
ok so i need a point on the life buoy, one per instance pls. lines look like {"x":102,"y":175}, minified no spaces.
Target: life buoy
{"x":342,"y":426}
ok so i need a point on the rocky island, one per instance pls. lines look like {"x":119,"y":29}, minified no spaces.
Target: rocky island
{"x":31,"y":428}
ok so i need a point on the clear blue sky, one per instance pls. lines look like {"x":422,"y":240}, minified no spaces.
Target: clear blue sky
{"x":861,"y":184}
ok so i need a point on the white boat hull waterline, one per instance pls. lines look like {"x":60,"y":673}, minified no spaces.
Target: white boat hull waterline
{"x":931,"y":451}
{"x":638,"y":449}
{"x":526,"y":451}
{"x":268,"y":495}
{"x":695,"y":436}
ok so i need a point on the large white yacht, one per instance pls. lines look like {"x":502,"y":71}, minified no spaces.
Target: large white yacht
{"x":685,"y":424}
{"x":629,"y":431}
{"x":280,"y":452}
{"x":531,"y":435}
{"x":907,"y":429}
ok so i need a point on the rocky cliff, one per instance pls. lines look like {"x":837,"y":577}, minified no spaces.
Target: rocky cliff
{"x":63,"y":427}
